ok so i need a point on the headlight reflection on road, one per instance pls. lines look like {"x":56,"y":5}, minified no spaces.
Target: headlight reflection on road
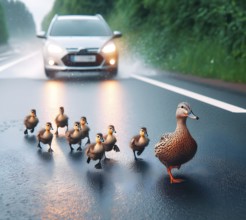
{"x":53,"y":98}
{"x":112,"y":110}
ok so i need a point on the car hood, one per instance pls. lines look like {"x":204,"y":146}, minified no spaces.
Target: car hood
{"x":79,"y":42}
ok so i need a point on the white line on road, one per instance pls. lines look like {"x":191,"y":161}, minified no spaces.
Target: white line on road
{"x":199,"y":97}
{"x":8,"y":65}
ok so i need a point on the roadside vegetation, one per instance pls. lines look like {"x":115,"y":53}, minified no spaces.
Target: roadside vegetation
{"x":199,"y":37}
{"x":15,"y":21}
{"x":4,"y":32}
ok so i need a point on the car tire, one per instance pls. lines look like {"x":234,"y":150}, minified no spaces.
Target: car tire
{"x":50,"y":73}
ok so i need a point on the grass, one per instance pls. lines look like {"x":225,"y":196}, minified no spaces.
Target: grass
{"x":206,"y":58}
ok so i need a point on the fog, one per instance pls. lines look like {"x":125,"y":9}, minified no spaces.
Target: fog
{"x":39,"y":9}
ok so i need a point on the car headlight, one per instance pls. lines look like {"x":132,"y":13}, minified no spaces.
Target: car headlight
{"x":53,"y":48}
{"x":109,"y":48}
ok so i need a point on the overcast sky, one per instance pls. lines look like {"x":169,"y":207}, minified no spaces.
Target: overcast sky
{"x":39,"y":9}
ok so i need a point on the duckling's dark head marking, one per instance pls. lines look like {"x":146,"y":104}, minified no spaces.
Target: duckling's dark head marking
{"x":76,"y":125}
{"x":83,"y":120}
{"x":33,"y":111}
{"x":143,"y":131}
{"x":112,"y":128}
{"x":62,"y":109}
{"x":99,"y":137}
{"x":49,"y":126}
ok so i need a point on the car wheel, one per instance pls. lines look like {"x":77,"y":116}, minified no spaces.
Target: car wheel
{"x":50,"y":73}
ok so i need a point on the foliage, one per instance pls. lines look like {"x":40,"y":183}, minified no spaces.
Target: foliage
{"x":75,"y":7}
{"x":4,"y":32}
{"x":19,"y":20}
{"x":198,"y":37}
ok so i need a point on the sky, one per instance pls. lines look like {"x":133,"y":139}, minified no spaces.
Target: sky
{"x":38,"y":9}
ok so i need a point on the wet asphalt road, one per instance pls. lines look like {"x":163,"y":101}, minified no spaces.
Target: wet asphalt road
{"x":35,"y":184}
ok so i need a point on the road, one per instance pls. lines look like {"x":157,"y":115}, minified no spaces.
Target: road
{"x":35,"y":184}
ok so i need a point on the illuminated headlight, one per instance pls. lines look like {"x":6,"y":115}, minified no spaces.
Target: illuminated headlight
{"x":109,"y":48}
{"x":52,"y":48}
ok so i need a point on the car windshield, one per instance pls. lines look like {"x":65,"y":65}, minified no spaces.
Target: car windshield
{"x":79,"y":27}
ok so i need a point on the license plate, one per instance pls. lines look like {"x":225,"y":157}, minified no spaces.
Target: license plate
{"x":83,"y":58}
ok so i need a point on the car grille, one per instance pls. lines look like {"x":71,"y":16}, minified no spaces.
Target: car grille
{"x":67,"y":60}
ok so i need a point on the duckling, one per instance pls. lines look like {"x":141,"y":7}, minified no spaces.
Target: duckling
{"x":110,"y":140}
{"x":95,"y":151}
{"x":139,"y":142}
{"x":84,"y":131}
{"x":45,"y":136}
{"x":177,"y":148}
{"x":73,"y":136}
{"x":61,"y":120}
{"x":31,"y":121}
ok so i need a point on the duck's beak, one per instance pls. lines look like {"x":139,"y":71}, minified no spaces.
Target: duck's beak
{"x":192,"y":115}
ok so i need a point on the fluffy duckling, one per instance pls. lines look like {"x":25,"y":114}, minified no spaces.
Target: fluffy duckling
{"x":139,"y":142}
{"x":31,"y":121}
{"x":73,"y":136}
{"x":45,"y":136}
{"x":61,"y":120}
{"x":177,"y":148}
{"x":110,"y":140}
{"x":95,"y":151}
{"x":84,"y":131}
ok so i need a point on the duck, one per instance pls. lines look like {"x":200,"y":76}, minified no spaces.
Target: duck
{"x":139,"y":142}
{"x":95,"y":151}
{"x":110,"y":140}
{"x":45,"y":136}
{"x":31,"y":121}
{"x":84,"y":131}
{"x":61,"y":120}
{"x":73,"y":136}
{"x":178,"y":147}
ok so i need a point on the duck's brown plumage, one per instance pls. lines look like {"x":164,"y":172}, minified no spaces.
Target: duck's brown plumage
{"x":85,"y":129}
{"x":139,"y":142}
{"x":177,"y":148}
{"x":95,"y":151}
{"x":73,"y":136}
{"x":45,"y":136}
{"x":110,"y":140}
{"x":31,"y":121}
{"x":61,"y":120}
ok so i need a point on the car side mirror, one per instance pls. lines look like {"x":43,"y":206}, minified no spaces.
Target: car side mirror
{"x":41,"y":34}
{"x":117,"y":34}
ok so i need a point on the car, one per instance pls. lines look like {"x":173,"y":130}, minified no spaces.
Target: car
{"x":81,"y":44}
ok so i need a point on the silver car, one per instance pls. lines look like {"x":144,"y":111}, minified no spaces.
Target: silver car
{"x":80,"y":43}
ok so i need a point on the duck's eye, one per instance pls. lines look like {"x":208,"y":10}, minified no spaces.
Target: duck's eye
{"x":182,"y":106}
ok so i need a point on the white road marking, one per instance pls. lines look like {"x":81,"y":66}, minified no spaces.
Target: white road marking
{"x":199,"y":97}
{"x":13,"y":63}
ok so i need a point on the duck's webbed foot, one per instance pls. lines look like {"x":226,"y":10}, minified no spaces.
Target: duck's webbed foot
{"x":98,"y":165}
{"x":136,"y":159}
{"x":32,"y":130}
{"x":79,"y":149}
{"x":39,"y":146}
{"x":71,"y":148}
{"x":88,"y":160}
{"x":26,"y":132}
{"x":116,"y":148}
{"x":88,"y":140}
{"x":140,"y":152}
{"x":172,"y":179}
